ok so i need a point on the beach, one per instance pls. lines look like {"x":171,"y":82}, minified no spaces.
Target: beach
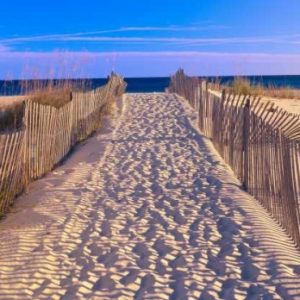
{"x":290,"y":105}
{"x":9,"y":101}
{"x":145,"y":209}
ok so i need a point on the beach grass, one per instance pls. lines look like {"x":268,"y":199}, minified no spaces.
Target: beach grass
{"x":243,"y":86}
{"x":53,"y":93}
{"x":11,"y":117}
{"x":56,"y":97}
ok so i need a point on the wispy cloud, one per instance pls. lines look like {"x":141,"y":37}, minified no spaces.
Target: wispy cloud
{"x":194,"y":54}
{"x":172,"y":40}
{"x":62,"y":36}
{"x":172,"y":28}
{"x":94,"y":37}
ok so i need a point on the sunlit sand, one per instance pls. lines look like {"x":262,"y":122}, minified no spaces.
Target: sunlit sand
{"x":10,"y":100}
{"x":145,"y":209}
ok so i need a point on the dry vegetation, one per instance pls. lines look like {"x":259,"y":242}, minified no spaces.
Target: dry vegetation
{"x":54,"y":93}
{"x":12,"y":117}
{"x":56,"y":97}
{"x":241,"y":85}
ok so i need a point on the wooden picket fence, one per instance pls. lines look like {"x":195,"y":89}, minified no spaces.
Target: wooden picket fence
{"x":260,"y":141}
{"x":47,"y":135}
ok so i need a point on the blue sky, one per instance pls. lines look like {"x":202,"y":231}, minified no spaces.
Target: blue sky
{"x":148,"y":38}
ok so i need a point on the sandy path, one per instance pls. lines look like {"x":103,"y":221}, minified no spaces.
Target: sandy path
{"x":146,"y":209}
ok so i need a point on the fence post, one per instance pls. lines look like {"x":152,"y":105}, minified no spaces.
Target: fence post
{"x":245,"y":144}
{"x":206,"y":89}
{"x":223,"y":96}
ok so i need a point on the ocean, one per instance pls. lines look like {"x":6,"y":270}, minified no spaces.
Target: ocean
{"x":138,"y":85}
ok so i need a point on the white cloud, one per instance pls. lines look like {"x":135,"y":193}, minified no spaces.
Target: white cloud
{"x":93,"y":37}
{"x":63,"y":36}
{"x":62,"y":54}
{"x":173,"y":40}
{"x":172,"y":28}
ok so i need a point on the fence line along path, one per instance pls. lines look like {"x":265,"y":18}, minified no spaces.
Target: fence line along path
{"x":260,"y":141}
{"x":47,"y":135}
{"x":145,"y":209}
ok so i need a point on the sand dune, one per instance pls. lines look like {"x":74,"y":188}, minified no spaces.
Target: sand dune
{"x":8,"y":101}
{"x":146,"y":209}
{"x":290,"y":105}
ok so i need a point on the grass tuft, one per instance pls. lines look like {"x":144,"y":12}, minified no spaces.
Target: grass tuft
{"x":56,"y":97}
{"x":243,"y":86}
{"x":11,"y":117}
{"x":53,"y":93}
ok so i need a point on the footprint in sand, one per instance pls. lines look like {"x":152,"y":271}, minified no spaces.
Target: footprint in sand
{"x":109,"y":213}
{"x":178,"y":236}
{"x":70,"y":293}
{"x":207,"y":233}
{"x":109,"y":259}
{"x":105,"y":283}
{"x":178,"y":262}
{"x":157,"y":218}
{"x":228,"y":289}
{"x":195,"y":225}
{"x":179,"y":218}
{"x":95,"y":249}
{"x":151,"y":232}
{"x":193,"y":239}
{"x":226,"y":250}
{"x":214,"y":182}
{"x":147,"y":285}
{"x":106,"y":229}
{"x":141,"y":211}
{"x":257,"y":292}
{"x":162,"y":248}
{"x":180,"y":291}
{"x":206,"y":296}
{"x":227,"y":227}
{"x":160,"y":268}
{"x":215,"y":264}
{"x":249,"y":271}
{"x":130,"y":277}
{"x":141,"y":249}
{"x":143,"y":252}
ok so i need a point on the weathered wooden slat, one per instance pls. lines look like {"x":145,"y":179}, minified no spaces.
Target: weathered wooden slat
{"x":260,"y":142}
{"x":47,"y":137}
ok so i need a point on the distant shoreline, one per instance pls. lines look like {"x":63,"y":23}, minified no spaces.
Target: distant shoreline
{"x":157,"y":84}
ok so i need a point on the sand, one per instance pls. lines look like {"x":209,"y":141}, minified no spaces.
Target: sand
{"x":8,"y":101}
{"x":290,"y":105}
{"x":145,"y":209}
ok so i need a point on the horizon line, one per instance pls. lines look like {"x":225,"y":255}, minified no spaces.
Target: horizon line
{"x":154,"y":77}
